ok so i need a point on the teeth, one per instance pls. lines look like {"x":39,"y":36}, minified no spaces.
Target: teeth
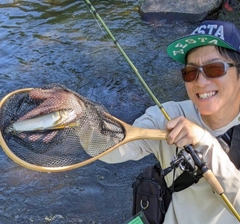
{"x":206,"y":95}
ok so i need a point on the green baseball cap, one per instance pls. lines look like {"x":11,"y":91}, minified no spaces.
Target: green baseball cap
{"x":209,"y":33}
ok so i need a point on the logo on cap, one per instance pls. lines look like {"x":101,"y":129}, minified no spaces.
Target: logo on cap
{"x":208,"y":33}
{"x":210,"y":29}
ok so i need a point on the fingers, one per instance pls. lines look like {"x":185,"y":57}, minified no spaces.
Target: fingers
{"x":183,"y":132}
{"x":45,"y":138}
{"x":41,"y":94}
{"x":176,"y":134}
{"x":48,"y":138}
{"x":43,"y":108}
{"x":53,"y":100}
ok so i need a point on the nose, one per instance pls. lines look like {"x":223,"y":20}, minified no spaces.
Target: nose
{"x":201,"y":78}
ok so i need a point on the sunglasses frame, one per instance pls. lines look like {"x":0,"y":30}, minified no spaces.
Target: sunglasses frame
{"x":201,"y":68}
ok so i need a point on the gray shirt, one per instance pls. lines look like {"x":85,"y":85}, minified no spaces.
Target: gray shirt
{"x":197,"y":204}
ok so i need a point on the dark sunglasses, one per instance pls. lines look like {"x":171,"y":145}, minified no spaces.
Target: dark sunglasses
{"x":211,"y":70}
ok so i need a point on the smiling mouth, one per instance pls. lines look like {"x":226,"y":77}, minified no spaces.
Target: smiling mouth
{"x":206,"y":95}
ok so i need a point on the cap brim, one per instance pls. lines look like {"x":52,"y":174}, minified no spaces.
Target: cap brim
{"x":179,"y":48}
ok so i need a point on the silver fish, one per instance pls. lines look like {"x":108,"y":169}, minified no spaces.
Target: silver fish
{"x":54,"y":120}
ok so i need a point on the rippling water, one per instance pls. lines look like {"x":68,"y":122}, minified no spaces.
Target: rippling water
{"x":59,"y":41}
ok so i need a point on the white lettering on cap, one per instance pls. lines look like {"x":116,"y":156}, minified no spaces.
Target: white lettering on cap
{"x":192,"y":41}
{"x":181,"y":51}
{"x":181,"y":45}
{"x":212,"y":29}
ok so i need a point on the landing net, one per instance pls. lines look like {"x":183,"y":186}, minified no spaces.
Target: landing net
{"x":85,"y":132}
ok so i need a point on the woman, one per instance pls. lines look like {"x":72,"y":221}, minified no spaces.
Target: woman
{"x":211,"y":55}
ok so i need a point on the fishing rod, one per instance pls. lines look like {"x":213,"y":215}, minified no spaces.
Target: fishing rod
{"x":94,"y":12}
{"x":206,"y":172}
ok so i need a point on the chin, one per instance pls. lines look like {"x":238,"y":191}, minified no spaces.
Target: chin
{"x":206,"y":111}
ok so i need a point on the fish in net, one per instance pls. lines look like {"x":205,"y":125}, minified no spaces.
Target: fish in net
{"x":53,"y":129}
{"x":83,"y":129}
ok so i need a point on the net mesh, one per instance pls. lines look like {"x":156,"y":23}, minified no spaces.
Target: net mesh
{"x":94,"y":130}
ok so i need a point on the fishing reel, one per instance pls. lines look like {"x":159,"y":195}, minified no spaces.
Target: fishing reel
{"x":186,"y":161}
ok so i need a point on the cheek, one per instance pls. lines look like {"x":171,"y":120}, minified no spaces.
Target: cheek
{"x":230,"y":82}
{"x":189,"y":87}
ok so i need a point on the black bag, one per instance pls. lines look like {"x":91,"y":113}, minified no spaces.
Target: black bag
{"x":151,"y":194}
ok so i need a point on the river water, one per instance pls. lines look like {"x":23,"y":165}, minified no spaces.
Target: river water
{"x":59,"y":41}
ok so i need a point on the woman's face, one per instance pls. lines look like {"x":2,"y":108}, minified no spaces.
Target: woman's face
{"x":213,"y":96}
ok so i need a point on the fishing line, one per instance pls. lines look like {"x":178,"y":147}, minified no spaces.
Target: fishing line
{"x":207,"y":173}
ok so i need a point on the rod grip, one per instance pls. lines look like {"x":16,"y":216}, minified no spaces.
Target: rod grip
{"x":212,"y":180}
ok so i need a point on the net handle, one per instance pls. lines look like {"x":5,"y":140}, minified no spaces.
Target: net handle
{"x":131,"y":133}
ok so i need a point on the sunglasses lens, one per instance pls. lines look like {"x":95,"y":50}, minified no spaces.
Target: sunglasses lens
{"x":189,"y":73}
{"x":213,"y":70}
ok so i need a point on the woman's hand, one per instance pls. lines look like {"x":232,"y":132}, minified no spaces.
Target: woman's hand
{"x":183,"y":132}
{"x":54,"y":99}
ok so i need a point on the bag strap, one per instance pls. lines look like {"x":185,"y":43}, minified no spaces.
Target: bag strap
{"x":230,"y":141}
{"x":185,"y":180}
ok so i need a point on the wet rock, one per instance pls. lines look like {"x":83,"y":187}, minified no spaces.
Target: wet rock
{"x":191,"y":10}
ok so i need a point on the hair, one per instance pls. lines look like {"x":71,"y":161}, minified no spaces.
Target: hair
{"x":234,"y":56}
